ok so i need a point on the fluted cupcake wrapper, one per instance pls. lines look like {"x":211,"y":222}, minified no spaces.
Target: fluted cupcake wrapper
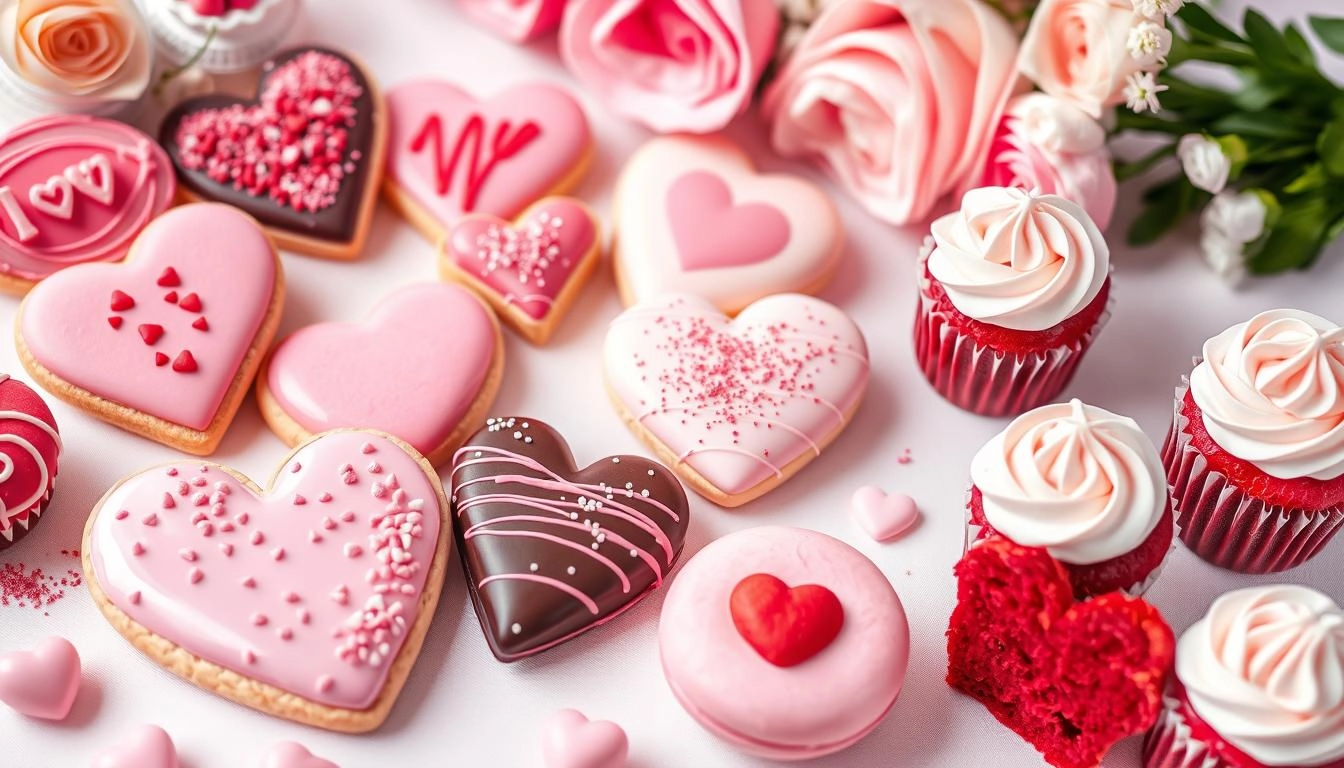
{"x":987,"y":381}
{"x":1228,"y":527}
{"x":1171,"y":743}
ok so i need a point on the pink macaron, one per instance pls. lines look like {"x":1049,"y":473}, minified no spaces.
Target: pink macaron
{"x":784,"y":642}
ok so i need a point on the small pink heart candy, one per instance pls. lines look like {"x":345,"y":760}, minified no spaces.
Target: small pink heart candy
{"x":571,"y":740}
{"x":882,"y":515}
{"x":148,"y":746}
{"x":289,"y":754}
{"x":42,"y":682}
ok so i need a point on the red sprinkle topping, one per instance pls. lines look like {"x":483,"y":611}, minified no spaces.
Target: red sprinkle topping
{"x":191,"y":302}
{"x":200,"y":324}
{"x":185,"y":363}
{"x":170,"y":297}
{"x":23,"y":588}
{"x":160,"y":359}
{"x":151,"y":332}
{"x":121,"y":301}
{"x":115,"y":322}
{"x":169,"y":278}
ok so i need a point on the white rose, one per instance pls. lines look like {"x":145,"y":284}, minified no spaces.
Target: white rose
{"x":1226,"y":258}
{"x":1237,"y":217}
{"x":1204,"y":162}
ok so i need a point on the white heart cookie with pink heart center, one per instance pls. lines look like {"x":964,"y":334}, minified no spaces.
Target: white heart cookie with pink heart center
{"x":693,"y":216}
{"x":426,"y":361}
{"x":450,"y":155}
{"x":736,"y":405}
{"x":166,"y":343}
{"x":308,"y":600}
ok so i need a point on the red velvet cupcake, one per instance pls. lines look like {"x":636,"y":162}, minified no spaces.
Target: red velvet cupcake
{"x":1255,"y":455}
{"x":1013,"y":290}
{"x":1083,"y":483}
{"x":1259,"y":684}
{"x":29,"y":448}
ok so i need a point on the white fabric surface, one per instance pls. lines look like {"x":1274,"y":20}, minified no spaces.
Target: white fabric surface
{"x":461,"y":707}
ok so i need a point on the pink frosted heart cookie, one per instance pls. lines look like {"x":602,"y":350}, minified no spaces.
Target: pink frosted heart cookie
{"x":693,"y":216}
{"x":75,"y":189}
{"x":165,"y":344}
{"x":736,"y":405}
{"x":570,"y":740}
{"x":425,"y":366}
{"x":42,"y":682}
{"x":308,"y":600}
{"x":450,"y":155}
{"x":30,"y":449}
{"x":530,"y":270}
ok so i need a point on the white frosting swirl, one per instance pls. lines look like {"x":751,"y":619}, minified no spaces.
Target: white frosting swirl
{"x":1019,"y":260}
{"x":1080,"y":481}
{"x":1272,"y":393}
{"x":1265,"y":669}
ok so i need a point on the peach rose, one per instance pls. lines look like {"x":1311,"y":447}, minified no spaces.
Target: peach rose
{"x":897,"y":98}
{"x":78,"y":48}
{"x":1078,"y":50}
{"x":673,"y":65}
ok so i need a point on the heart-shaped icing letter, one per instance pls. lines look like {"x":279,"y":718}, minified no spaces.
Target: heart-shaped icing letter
{"x":304,"y":158}
{"x":551,"y":550}
{"x":308,"y":600}
{"x":1044,"y":665}
{"x":425,"y":367}
{"x":450,"y":155}
{"x":164,"y":345}
{"x":571,"y":740}
{"x":42,"y":682}
{"x":531,"y":270}
{"x":786,"y":625}
{"x":148,"y":746}
{"x":693,"y":216}
{"x":736,"y":405}
{"x":75,"y":189}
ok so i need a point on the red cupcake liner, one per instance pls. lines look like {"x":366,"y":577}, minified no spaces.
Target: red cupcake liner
{"x":1178,"y":738}
{"x":984,"y":379}
{"x":1229,"y":527}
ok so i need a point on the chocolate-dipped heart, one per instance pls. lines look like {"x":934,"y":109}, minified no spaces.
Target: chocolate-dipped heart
{"x":304,"y":158}
{"x":550,"y":550}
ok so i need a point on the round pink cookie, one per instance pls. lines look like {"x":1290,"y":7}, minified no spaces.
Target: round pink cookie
{"x":821,"y":705}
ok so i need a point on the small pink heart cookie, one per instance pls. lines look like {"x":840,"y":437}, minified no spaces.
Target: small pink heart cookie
{"x":166,"y":343}
{"x":290,"y":754}
{"x":43,"y":682}
{"x":148,"y":746}
{"x":308,"y":600}
{"x":883,"y":516}
{"x":571,"y":740}
{"x":736,"y":406}
{"x":425,"y":366}
{"x":530,"y":270}
{"x":693,"y":216}
{"x":450,"y":155}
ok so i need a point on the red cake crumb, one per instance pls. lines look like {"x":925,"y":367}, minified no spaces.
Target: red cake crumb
{"x":24,"y":588}
{"x":1070,"y":678}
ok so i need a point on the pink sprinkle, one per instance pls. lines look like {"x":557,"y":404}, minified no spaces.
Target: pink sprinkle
{"x":227,"y":549}
{"x":379,"y":491}
{"x":198,"y":517}
{"x":183,"y":488}
{"x":350,"y":478}
{"x":168,"y":502}
{"x":259,"y":620}
{"x":367,"y":448}
{"x":340,"y":596}
{"x":299,"y":500}
{"x":137,"y":549}
{"x":226,"y":527}
{"x":375,"y":467}
{"x":286,"y":634}
{"x":187,"y":554}
{"x":304,"y":616}
{"x":134,"y":597}
{"x":328,"y":523}
{"x":241,"y":518}
{"x":151,"y":520}
{"x":199,"y":499}
{"x":344,"y":469}
{"x":207,"y":530}
{"x":353,"y":550}
{"x":348,"y":516}
{"x":123,"y":514}
{"x":223,"y":487}
{"x":195,"y":575}
{"x":324,"y":498}
{"x":249,"y":583}
{"x":291,"y":597}
{"x":257,"y":537}
{"x":278,"y":553}
{"x":325,"y":683}
{"x":172,"y":471}
{"x":249,"y":657}
{"x":295,"y":467}
{"x":315,"y":537}
{"x":198,"y":481}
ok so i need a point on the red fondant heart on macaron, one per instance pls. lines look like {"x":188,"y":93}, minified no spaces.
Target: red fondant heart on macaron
{"x":450,"y":155}
{"x":786,"y":625}
{"x":693,"y":216}
{"x":1070,"y":678}
{"x":424,"y":367}
{"x":148,"y":746}
{"x":308,"y":600}
{"x":571,"y":740}
{"x":42,"y":682}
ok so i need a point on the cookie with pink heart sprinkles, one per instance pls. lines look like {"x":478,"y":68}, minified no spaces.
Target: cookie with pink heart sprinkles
{"x":308,"y":599}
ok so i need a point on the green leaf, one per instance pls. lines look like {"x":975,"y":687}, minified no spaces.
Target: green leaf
{"x":1163,"y":210}
{"x":1330,"y":31}
{"x":1268,"y":42}
{"x":1297,"y":43}
{"x":1265,"y":125}
{"x":1330,"y":146}
{"x":1199,"y":20}
{"x":1313,"y":178}
{"x":1124,"y":171}
{"x":1296,"y":240}
{"x":1258,"y":96}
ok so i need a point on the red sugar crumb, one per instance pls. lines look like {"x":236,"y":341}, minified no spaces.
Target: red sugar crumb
{"x":22,"y":588}
{"x":905,"y":457}
{"x":291,"y":146}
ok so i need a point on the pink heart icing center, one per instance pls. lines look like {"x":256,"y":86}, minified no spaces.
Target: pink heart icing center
{"x":571,"y":740}
{"x":711,"y":232}
{"x":42,"y":682}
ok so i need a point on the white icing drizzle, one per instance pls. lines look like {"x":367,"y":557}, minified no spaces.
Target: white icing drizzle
{"x":7,"y":464}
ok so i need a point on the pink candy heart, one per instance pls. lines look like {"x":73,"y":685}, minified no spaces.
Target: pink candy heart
{"x":42,"y":682}
{"x":147,"y":747}
{"x":289,"y":754}
{"x":571,"y":740}
{"x":882,"y":515}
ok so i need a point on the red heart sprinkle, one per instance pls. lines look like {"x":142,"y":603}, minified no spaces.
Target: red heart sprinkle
{"x":185,"y":363}
{"x":121,"y":301}
{"x":200,"y":324}
{"x":160,"y":359}
{"x":786,"y":626}
{"x":170,"y":297}
{"x":114,"y":321}
{"x":151,"y":333}
{"x":191,"y":302}
{"x":169,"y":278}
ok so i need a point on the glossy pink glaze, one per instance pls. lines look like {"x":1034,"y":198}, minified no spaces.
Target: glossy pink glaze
{"x":43,"y":682}
{"x":148,"y":746}
{"x":290,"y":588}
{"x":712,"y":231}
{"x":222,"y":259}
{"x":416,"y":366}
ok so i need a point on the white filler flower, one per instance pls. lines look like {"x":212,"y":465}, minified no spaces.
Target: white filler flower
{"x":1204,"y":162}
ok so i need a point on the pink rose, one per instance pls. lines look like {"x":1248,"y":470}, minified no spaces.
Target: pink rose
{"x":516,"y":20}
{"x":1049,"y":145}
{"x":673,"y":65}
{"x":1078,"y":50}
{"x":897,"y":98}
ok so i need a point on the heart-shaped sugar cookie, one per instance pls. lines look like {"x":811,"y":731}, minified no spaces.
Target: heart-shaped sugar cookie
{"x":552,"y":550}
{"x":308,"y":600}
{"x":736,"y":405}
{"x":1070,"y":678}
{"x":165,"y":344}
{"x":450,"y":155}
{"x":693,"y":216}
{"x":305,"y":158}
{"x":425,"y":367}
